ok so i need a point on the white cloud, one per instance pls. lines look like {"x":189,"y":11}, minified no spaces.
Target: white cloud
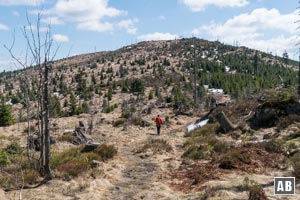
{"x":16,"y":13}
{"x":52,"y":21}
{"x":199,"y":5}
{"x":34,"y":28}
{"x":87,"y":14}
{"x":162,"y":17}
{"x":158,"y":36}
{"x":255,"y":30}
{"x":60,"y":38}
{"x":128,"y":25}
{"x":21,"y":2}
{"x":3,"y":27}
{"x":95,"y":26}
{"x":84,"y":10}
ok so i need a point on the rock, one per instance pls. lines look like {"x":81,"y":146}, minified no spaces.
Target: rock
{"x":90,"y":146}
{"x":2,"y":195}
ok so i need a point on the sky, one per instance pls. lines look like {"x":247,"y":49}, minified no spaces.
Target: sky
{"x":85,"y":26}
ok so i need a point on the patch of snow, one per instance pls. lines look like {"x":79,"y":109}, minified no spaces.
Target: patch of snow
{"x":197,"y":125}
{"x":9,"y":103}
{"x":216,"y":91}
{"x":227,"y":68}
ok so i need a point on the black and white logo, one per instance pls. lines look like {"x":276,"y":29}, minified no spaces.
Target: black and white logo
{"x":284,"y":185}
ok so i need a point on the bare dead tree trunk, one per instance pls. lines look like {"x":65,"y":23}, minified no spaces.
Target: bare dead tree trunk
{"x":46,"y":121}
{"x":39,"y":81}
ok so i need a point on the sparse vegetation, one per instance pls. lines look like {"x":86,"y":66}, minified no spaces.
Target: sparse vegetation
{"x":119,"y":122}
{"x":156,"y":145}
{"x":295,"y":162}
{"x":65,"y":138}
{"x":72,"y":162}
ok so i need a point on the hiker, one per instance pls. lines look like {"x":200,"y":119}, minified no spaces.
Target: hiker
{"x":158,"y":122}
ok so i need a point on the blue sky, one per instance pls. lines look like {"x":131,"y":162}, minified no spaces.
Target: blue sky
{"x":83,"y":26}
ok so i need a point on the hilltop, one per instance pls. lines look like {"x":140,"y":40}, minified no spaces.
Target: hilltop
{"x":117,"y":94}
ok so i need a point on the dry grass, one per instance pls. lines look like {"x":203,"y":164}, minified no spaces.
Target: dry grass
{"x":156,"y":145}
{"x":73,"y":162}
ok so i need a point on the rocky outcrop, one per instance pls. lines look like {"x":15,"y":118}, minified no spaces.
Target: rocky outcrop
{"x":267,"y":114}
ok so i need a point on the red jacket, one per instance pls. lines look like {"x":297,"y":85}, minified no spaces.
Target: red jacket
{"x":158,"y":121}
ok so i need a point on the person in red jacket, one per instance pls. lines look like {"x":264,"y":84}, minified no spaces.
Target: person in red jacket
{"x":158,"y":122}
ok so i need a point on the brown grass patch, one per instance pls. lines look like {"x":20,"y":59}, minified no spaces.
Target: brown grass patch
{"x":156,"y":145}
{"x":190,"y":177}
{"x":249,"y":158}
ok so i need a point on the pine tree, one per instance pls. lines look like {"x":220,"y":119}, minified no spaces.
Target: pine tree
{"x":6,"y":116}
{"x":73,"y":105}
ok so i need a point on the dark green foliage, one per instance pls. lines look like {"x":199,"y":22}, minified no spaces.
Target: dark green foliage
{"x":73,"y":161}
{"x":106,"y":152}
{"x":166,"y":62}
{"x":4,"y":159}
{"x":72,"y":105}
{"x":55,"y":107}
{"x":14,"y":148}
{"x":15,"y":99}
{"x":204,"y":147}
{"x":137,"y":87}
{"x":150,"y":96}
{"x":6,"y":116}
{"x":181,"y":102}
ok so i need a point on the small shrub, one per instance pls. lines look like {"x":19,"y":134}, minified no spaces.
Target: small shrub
{"x":295,"y":162}
{"x":66,"y":156}
{"x":208,"y":193}
{"x":65,"y":138}
{"x":232,"y":159}
{"x":156,"y":145}
{"x":119,"y":122}
{"x":209,"y":129}
{"x":14,"y":148}
{"x":203,"y":147}
{"x":256,"y":192}
{"x":273,"y":146}
{"x":91,"y":156}
{"x":73,"y":168}
{"x":136,"y":120}
{"x":285,"y":121}
{"x":30,"y":176}
{"x":32,"y":129}
{"x":194,"y":152}
{"x":106,"y":151}
{"x":167,"y":119}
{"x":4,"y":159}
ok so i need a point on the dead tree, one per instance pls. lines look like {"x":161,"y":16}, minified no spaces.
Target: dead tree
{"x":41,"y":55}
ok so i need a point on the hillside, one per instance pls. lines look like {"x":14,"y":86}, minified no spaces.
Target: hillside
{"x":117,"y":95}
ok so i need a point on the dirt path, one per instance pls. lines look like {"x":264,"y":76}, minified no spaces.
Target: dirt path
{"x":144,"y":174}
